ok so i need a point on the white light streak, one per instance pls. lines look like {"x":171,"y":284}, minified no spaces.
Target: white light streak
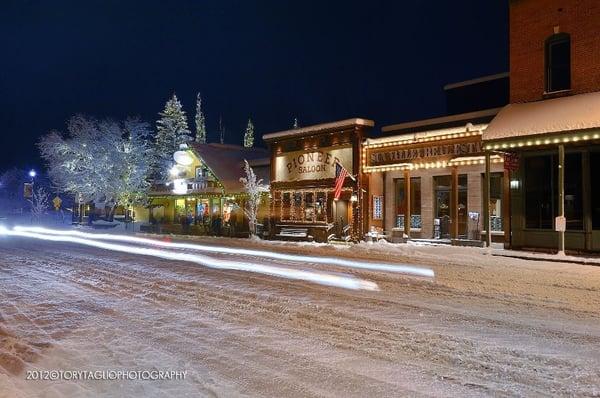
{"x":399,"y":268}
{"x":343,"y":281}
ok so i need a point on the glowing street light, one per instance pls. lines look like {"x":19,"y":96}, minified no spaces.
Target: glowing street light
{"x":32,"y":173}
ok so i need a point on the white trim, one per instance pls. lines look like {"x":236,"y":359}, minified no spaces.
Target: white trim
{"x":409,"y":138}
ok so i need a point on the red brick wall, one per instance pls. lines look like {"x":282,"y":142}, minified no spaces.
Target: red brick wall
{"x":531,"y":23}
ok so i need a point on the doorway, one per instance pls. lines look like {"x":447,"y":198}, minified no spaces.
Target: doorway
{"x":443,"y":204}
{"x":340,"y":215}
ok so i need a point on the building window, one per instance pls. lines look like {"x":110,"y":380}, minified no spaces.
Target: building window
{"x":538,"y":185}
{"x":558,"y":62}
{"x":495,"y":204}
{"x":573,"y":191}
{"x":595,"y":188}
{"x":304,"y":206}
{"x":415,"y":202}
{"x":541,"y":191}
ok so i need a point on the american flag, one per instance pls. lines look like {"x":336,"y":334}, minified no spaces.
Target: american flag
{"x":340,"y":176}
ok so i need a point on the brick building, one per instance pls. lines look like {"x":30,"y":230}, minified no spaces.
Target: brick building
{"x":551,"y":128}
{"x":534,"y":24}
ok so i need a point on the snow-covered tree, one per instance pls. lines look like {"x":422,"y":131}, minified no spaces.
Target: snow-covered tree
{"x":249,"y":135}
{"x":136,"y":158}
{"x":295,"y":125}
{"x":100,"y":161}
{"x":200,"y":121}
{"x":253,"y":187}
{"x":172,"y":131}
{"x":39,"y":203}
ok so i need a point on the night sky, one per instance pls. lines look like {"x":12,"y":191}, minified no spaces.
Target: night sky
{"x":272,"y":61}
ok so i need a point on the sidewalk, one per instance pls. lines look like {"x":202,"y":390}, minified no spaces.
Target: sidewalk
{"x":537,"y":256}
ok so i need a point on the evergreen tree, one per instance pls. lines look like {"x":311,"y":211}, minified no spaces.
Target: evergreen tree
{"x":249,"y":135}
{"x":172,"y":131}
{"x":221,"y":130}
{"x":200,"y":121}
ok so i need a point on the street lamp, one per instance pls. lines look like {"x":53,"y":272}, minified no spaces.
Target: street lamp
{"x":32,"y":174}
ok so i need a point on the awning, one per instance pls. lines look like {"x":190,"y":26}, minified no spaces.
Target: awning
{"x":559,"y":115}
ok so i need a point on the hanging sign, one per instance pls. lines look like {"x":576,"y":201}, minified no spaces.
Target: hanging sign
{"x":27,"y":190}
{"x":511,"y":161}
{"x":57,"y":202}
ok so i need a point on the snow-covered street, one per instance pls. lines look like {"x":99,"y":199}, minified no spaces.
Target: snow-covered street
{"x":483,"y":326}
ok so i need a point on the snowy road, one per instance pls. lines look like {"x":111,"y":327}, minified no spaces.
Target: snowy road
{"x":484,"y":326}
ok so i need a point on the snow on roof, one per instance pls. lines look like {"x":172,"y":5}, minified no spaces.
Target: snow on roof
{"x":451,"y":132}
{"x":320,"y":127}
{"x":577,"y":112}
{"x":227,"y":163}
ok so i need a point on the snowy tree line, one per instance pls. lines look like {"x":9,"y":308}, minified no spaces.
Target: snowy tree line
{"x":101,"y":160}
{"x":115,"y":162}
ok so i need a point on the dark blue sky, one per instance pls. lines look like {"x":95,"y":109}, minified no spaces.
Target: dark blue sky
{"x":270,"y":60}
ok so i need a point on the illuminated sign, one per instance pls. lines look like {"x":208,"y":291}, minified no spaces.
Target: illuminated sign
{"x":314,"y":164}
{"x":417,"y":152}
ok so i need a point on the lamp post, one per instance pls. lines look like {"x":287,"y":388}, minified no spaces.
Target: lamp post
{"x":32,"y":175}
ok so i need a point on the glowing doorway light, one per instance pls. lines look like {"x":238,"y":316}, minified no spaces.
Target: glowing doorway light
{"x":322,"y":278}
{"x":383,"y":267}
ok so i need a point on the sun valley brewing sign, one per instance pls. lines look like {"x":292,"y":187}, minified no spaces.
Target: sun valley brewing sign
{"x":416,"y":153}
{"x":316,"y":164}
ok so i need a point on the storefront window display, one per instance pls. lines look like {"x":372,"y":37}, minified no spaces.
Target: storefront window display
{"x":304,"y":206}
{"x":415,"y":202}
{"x":495,"y":204}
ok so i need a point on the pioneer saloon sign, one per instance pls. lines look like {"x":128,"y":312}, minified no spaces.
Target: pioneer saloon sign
{"x":420,"y":152}
{"x":316,"y":164}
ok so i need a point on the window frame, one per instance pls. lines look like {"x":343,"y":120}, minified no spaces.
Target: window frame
{"x":555,"y":39}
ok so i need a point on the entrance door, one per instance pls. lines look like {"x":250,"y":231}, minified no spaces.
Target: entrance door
{"x":443,"y":189}
{"x":340,"y":215}
{"x":443,"y":204}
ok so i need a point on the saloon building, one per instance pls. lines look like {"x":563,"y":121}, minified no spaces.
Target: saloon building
{"x":303,"y":176}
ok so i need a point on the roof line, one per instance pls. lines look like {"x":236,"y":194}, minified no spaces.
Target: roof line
{"x":476,"y":80}
{"x":441,"y":119}
{"x":320,"y":127}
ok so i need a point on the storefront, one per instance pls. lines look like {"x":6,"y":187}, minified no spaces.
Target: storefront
{"x":428,"y":184}
{"x":555,"y":150}
{"x":303,"y":167}
{"x":204,"y":195}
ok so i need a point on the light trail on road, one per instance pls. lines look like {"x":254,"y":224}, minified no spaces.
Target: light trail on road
{"x":399,"y":268}
{"x":328,"y":279}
